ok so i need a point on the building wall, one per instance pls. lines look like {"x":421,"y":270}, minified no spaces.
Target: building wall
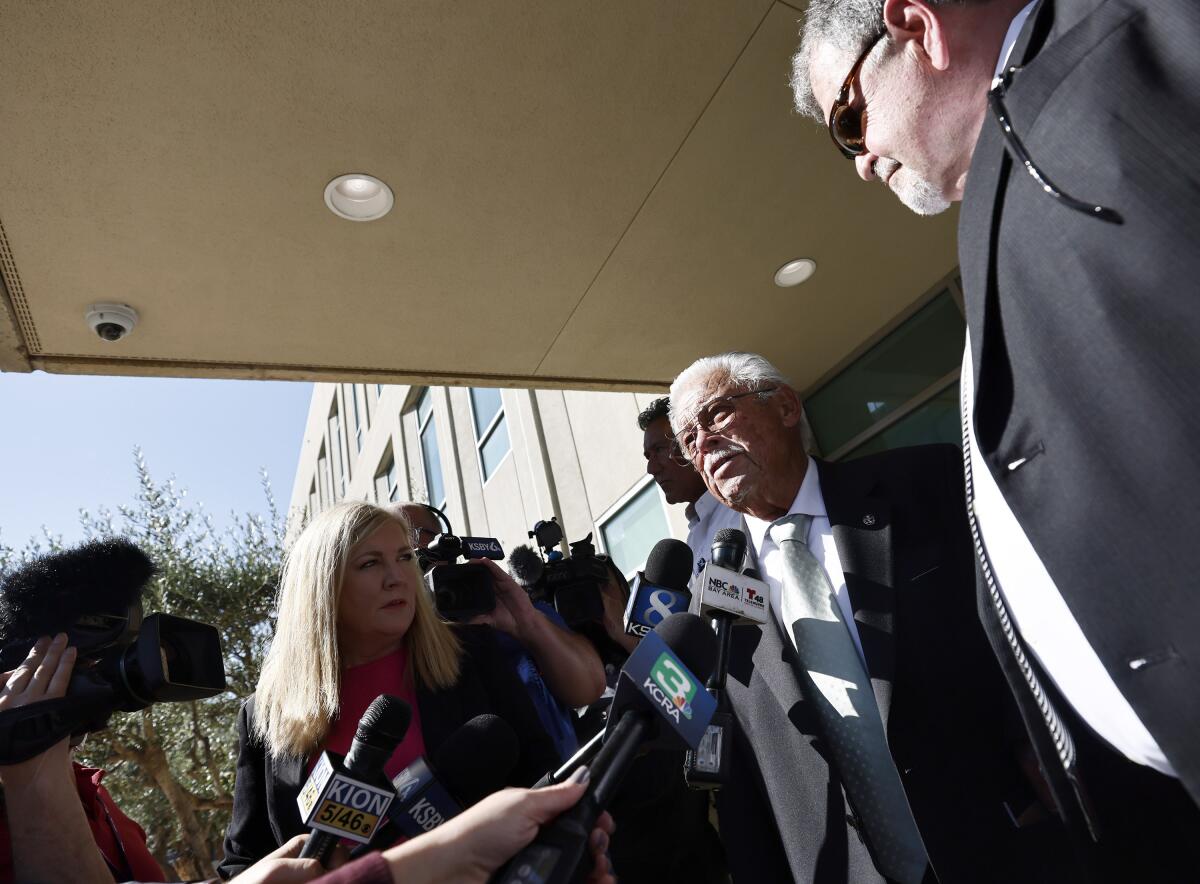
{"x":590,"y":463}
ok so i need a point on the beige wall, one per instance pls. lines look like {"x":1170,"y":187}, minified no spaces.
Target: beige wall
{"x":592,"y":460}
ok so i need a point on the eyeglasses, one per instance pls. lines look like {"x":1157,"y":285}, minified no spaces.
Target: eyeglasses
{"x":845,"y":122}
{"x":666,"y":450}
{"x":1017,"y":148}
{"x":712,"y":417}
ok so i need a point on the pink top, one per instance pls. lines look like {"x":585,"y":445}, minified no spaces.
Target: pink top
{"x":360,"y":686}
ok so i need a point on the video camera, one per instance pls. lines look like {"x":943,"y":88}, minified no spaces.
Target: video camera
{"x":460,"y":591}
{"x":572,"y":584}
{"x":126,"y":661}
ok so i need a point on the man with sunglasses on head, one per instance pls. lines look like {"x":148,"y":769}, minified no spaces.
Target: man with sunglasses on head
{"x":680,"y":483}
{"x":871,"y":741}
{"x":1068,"y":129}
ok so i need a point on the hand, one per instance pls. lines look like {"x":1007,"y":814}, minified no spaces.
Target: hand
{"x":514,"y":610}
{"x":43,"y":675}
{"x":284,"y":866}
{"x":614,"y":616}
{"x":473,"y":845}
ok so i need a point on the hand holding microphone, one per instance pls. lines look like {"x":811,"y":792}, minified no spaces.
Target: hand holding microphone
{"x":660,"y":702}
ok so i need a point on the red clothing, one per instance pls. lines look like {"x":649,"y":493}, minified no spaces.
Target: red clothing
{"x":370,"y":869}
{"x":360,"y":686}
{"x":121,"y":841}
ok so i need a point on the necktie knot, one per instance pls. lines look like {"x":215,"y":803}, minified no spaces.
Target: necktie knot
{"x":791,"y":527}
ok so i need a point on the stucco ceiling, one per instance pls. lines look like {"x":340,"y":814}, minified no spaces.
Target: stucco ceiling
{"x":586,"y":195}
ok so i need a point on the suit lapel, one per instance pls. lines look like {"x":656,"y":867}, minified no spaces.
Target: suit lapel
{"x":862,"y":530}
{"x":979,"y":219}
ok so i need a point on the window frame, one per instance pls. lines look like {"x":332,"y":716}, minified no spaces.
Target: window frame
{"x":951,"y":283}
{"x":598,"y":536}
{"x":430,"y":421}
{"x":482,"y":439}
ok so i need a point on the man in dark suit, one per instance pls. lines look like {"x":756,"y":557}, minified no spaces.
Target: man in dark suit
{"x":871,"y":734}
{"x":1066,"y":127}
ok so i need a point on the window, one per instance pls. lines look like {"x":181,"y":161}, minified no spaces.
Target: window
{"x":387,"y":489}
{"x":358,"y":413}
{"x":339,"y":452}
{"x":491,"y":429}
{"x":324,"y":480}
{"x":631,"y":532}
{"x":314,"y":503}
{"x":900,"y":391}
{"x":430,"y":460}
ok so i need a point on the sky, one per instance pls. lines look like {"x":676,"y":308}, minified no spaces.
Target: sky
{"x":66,"y":442}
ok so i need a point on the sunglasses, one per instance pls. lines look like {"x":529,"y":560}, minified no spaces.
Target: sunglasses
{"x":845,"y":122}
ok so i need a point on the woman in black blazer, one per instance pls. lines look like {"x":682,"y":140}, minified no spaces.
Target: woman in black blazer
{"x":355,"y":621}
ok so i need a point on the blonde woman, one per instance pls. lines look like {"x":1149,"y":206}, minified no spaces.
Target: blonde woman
{"x":355,"y":621}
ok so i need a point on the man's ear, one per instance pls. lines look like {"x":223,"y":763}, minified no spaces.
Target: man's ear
{"x":915,"y":25}
{"x":788,"y":406}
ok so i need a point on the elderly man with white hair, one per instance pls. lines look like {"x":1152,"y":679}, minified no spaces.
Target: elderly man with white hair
{"x":871,"y":713}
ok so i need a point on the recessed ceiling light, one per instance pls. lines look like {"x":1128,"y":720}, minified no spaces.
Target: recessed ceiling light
{"x":358,"y":197}
{"x":795,"y":272}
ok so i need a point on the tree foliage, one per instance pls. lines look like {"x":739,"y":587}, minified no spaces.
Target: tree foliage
{"x":171,"y":766}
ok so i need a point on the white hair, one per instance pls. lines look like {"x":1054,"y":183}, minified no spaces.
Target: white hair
{"x":743,"y":371}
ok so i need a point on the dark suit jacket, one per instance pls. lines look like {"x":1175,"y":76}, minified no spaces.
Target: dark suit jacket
{"x":265,"y":814}
{"x":899,"y":522}
{"x":1084,"y":338}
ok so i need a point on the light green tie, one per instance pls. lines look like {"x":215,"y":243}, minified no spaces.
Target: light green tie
{"x":839,"y":690}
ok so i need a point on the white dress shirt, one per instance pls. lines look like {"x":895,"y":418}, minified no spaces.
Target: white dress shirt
{"x":705,"y":518}
{"x":820,"y":541}
{"x":1045,"y":623}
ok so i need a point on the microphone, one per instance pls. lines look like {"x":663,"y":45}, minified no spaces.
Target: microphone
{"x":90,"y":592}
{"x":660,"y":590}
{"x":347,"y":803}
{"x":721,"y":590}
{"x":726,"y":599}
{"x":474,"y":762}
{"x":525,"y":566}
{"x":659,"y":704}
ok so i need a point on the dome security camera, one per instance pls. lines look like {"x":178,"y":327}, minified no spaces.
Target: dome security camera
{"x":111,"y":322}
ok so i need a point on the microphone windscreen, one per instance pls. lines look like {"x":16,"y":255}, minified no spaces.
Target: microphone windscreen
{"x":525,"y":566}
{"x":476,"y":759}
{"x":670,"y":564}
{"x":385,"y":722}
{"x":692,"y":640}
{"x":728,"y":548}
{"x":51,"y":593}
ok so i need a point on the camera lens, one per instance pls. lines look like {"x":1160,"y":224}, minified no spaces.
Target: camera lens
{"x":110,"y":331}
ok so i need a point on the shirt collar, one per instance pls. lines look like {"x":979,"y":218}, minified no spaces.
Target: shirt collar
{"x":808,"y":500}
{"x":1010,"y":38}
{"x":699,"y":509}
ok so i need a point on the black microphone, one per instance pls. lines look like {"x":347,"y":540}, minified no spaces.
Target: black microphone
{"x":92,"y":592}
{"x":659,"y":703}
{"x":525,"y":566}
{"x":661,"y":589}
{"x":471,"y":764}
{"x":349,"y":803}
{"x":707,"y":767}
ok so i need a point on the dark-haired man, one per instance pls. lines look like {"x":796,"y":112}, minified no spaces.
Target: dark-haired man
{"x":680,"y":483}
{"x":1066,"y":127}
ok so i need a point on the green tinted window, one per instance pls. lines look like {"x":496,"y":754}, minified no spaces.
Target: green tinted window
{"x":923,"y":349}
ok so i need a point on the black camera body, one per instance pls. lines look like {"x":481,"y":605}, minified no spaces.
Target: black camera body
{"x":573,"y":584}
{"x":461,"y":591}
{"x":126,"y":661}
